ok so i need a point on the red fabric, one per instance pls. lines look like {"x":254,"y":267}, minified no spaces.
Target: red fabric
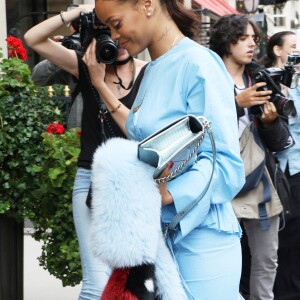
{"x":219,"y":7}
{"x":116,"y":286}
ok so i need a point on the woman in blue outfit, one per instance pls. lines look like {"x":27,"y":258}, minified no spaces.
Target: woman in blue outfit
{"x":183,"y":78}
{"x":94,"y":273}
{"x":287,"y":283}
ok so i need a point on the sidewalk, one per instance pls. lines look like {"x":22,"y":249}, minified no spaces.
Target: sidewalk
{"x":38,"y":283}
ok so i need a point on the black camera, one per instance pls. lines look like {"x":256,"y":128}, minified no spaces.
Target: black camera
{"x":273,"y":77}
{"x":72,"y":41}
{"x":91,"y":27}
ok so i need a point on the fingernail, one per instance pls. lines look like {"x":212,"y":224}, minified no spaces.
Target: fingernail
{"x":171,"y":165}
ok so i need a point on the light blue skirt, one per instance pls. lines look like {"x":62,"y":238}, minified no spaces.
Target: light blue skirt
{"x":210,"y":264}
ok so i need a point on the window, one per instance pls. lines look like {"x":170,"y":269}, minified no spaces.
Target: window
{"x":21,"y":15}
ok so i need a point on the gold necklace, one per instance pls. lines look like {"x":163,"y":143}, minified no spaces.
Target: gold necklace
{"x":137,"y":107}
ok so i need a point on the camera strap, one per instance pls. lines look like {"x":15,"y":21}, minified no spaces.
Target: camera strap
{"x":102,"y":108}
{"x":75,"y":92}
{"x":123,"y":62}
{"x":120,"y":83}
{"x":247,"y":79}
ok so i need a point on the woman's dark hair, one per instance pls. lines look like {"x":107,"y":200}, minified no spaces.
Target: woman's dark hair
{"x":276,"y":40}
{"x":227,"y":30}
{"x":185,"y":19}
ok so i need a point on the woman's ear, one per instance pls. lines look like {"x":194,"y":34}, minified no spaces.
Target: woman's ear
{"x":277,"y":50}
{"x":148,"y":7}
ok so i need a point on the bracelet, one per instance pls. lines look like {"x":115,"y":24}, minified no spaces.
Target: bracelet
{"x":115,"y":109}
{"x":64,"y":20}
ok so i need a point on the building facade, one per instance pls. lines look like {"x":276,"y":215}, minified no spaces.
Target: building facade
{"x":17,"y":16}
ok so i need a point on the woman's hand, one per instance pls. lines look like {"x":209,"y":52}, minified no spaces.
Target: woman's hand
{"x":96,"y":70}
{"x":269,"y":115}
{"x":166,"y":197}
{"x":58,"y":38}
{"x":86,"y":7}
{"x":250,"y":96}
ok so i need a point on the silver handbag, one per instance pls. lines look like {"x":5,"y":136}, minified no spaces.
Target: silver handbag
{"x":183,"y":136}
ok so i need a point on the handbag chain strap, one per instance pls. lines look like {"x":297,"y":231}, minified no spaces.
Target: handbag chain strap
{"x":207,"y":127}
{"x":180,"y":215}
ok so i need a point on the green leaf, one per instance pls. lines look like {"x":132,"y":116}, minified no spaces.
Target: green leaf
{"x":37,"y":169}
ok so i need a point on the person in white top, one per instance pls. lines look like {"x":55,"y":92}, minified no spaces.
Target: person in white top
{"x":235,"y":38}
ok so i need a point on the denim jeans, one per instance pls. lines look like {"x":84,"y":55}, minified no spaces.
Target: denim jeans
{"x":94,"y":273}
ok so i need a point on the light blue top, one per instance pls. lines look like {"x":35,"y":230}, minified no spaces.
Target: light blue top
{"x":191,"y":79}
{"x":292,"y":154}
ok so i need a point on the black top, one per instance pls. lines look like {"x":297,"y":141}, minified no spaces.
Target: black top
{"x":91,"y":136}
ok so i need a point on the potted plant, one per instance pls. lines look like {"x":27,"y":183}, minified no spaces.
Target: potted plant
{"x":52,"y":194}
{"x":37,"y":169}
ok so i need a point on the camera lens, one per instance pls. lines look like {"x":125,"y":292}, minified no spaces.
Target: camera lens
{"x":285,"y":107}
{"x":91,"y":27}
{"x":288,"y":108}
{"x":106,"y":50}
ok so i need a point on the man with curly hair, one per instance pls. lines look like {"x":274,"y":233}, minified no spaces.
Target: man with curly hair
{"x":235,"y":39}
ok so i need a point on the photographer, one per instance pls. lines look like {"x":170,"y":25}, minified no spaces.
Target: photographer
{"x":122,"y":77}
{"x":45,"y":73}
{"x":235,"y":39}
{"x":287,"y":284}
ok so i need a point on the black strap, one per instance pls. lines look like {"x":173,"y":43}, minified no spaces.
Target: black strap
{"x":75,"y":93}
{"x":102,"y":108}
{"x":267,"y":194}
{"x":262,"y":210}
{"x":89,"y":198}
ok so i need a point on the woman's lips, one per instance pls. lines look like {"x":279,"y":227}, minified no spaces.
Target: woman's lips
{"x":123,"y":45}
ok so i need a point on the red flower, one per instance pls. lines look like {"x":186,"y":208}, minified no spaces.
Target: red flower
{"x":11,"y":53}
{"x":55,"y":128}
{"x":15,"y":48}
{"x":13,"y":42}
{"x":78,"y":132}
{"x":22,"y":53}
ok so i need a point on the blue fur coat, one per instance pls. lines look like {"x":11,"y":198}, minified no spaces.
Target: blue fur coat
{"x":126,"y":231}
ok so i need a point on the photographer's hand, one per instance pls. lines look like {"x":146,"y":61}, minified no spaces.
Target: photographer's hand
{"x":97,"y":73}
{"x":96,"y":70}
{"x":250,"y":96}
{"x":58,"y":38}
{"x":38,"y":39}
{"x":269,"y":114}
{"x":86,"y":7}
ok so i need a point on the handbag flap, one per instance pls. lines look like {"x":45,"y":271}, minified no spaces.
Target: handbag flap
{"x":170,"y":142}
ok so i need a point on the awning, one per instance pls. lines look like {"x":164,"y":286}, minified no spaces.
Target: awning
{"x":219,"y":7}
